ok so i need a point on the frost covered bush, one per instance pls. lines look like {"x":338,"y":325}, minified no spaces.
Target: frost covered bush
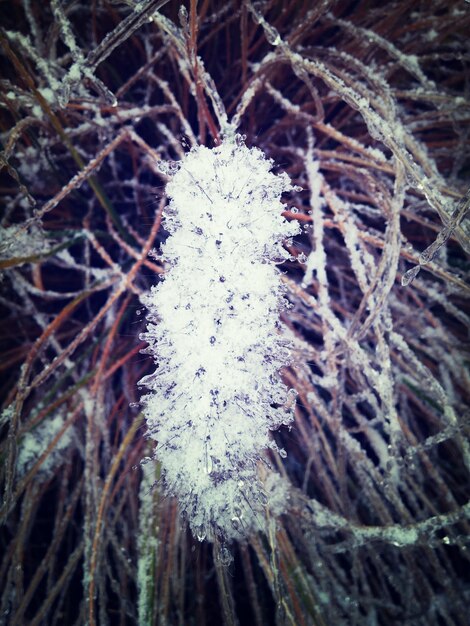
{"x":214,"y":332}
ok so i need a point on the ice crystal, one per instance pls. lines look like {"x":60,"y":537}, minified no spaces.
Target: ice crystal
{"x":217,"y":392}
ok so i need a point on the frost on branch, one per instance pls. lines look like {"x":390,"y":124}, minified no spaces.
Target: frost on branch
{"x":216,"y":392}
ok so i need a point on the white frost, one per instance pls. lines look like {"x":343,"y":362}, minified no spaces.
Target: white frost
{"x":216,"y":343}
{"x":35,"y":443}
{"x":20,"y":242}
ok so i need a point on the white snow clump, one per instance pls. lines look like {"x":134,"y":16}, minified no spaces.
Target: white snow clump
{"x":214,"y":332}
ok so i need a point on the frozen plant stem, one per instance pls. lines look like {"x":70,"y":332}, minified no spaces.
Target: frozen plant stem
{"x":213,"y":330}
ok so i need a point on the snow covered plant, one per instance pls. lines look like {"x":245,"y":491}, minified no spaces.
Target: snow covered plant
{"x":214,"y":332}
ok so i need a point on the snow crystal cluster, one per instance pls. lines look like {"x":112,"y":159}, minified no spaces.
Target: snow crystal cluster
{"x":214,"y":332}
